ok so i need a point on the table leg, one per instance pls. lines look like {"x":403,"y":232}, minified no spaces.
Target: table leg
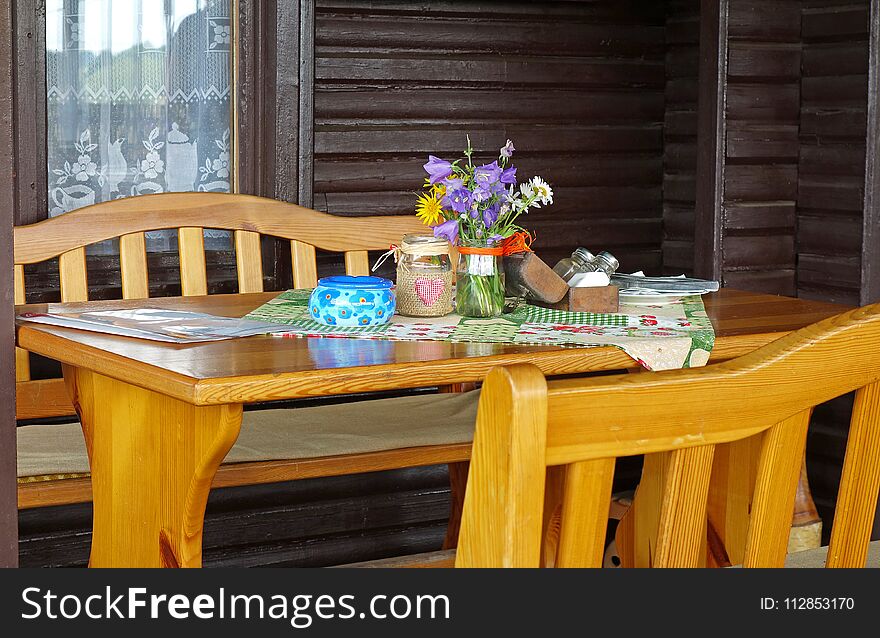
{"x":152,"y":460}
{"x":806,"y":529}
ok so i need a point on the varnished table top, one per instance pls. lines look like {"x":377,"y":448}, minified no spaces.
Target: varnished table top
{"x":265,"y":368}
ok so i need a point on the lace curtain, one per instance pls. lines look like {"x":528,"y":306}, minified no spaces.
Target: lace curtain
{"x":138,"y":101}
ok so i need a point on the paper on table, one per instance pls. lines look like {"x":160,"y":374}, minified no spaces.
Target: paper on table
{"x":156,"y":324}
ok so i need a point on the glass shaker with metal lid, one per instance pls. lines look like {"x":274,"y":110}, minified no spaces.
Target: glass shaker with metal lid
{"x":606,"y":262}
{"x":581,"y":261}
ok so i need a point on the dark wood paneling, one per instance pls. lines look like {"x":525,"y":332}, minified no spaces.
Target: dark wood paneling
{"x":761,"y":159}
{"x":306,"y":114}
{"x":257,"y":98}
{"x":308,"y":523}
{"x":870,"y":289}
{"x":579,"y":87}
{"x":31,"y":179}
{"x":680,"y":135}
{"x":8,"y":497}
{"x":712,"y":127}
{"x":831,"y":174}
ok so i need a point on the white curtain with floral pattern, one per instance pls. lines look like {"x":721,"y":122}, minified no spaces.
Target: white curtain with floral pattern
{"x":139,"y":100}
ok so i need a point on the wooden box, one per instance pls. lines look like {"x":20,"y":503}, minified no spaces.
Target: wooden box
{"x":602,"y":299}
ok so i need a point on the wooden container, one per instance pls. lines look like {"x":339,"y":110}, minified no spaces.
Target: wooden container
{"x":601,"y":299}
{"x":527,"y":274}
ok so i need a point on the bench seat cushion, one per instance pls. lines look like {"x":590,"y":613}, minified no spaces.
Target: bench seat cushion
{"x":58,"y":451}
{"x":811,"y":558}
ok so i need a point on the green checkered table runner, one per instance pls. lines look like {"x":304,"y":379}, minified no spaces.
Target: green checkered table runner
{"x":675,"y":335}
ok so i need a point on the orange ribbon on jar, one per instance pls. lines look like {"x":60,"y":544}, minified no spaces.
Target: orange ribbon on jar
{"x":519,"y":242}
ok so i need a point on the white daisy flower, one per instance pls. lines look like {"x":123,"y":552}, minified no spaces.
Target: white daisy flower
{"x":542,"y":190}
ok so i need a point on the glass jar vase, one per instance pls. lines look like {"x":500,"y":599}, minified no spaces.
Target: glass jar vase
{"x":424,"y":277}
{"x":479,"y":288}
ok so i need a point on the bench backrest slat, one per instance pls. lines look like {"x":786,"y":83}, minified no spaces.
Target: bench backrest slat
{"x":72,"y":274}
{"x":248,"y":261}
{"x":193,"y":270}
{"x":357,"y":262}
{"x":22,"y":358}
{"x":305,"y":267}
{"x":133,"y":266}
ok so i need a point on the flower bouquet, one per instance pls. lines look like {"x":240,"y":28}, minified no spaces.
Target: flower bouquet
{"x":476,"y":208}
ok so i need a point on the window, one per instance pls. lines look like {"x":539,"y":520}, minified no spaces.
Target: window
{"x":139,"y":100}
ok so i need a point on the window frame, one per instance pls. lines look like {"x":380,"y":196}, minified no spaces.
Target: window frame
{"x":271,"y":117}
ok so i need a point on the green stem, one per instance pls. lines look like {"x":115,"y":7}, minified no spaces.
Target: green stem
{"x":479,"y":295}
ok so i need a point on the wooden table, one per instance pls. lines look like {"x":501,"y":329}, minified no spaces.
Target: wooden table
{"x":158,"y":418}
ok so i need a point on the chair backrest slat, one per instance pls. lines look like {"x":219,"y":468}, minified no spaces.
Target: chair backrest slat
{"x":248,"y":261}
{"x":585,"y":503}
{"x":681,"y":533}
{"x":694,"y":427}
{"x":72,"y":275}
{"x":22,"y":358}
{"x":305,"y":266}
{"x":193,"y":271}
{"x":734,"y":471}
{"x":357,"y":262}
{"x":133,"y":266}
{"x":503,"y":519}
{"x":859,"y":483}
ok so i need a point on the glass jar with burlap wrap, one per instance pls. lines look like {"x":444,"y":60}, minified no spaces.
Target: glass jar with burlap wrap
{"x":424,"y":277}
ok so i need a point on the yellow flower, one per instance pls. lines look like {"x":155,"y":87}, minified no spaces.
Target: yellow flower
{"x":438,"y":191}
{"x":428,"y":209}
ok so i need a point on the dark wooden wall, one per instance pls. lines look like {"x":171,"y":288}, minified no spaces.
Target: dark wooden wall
{"x":787,"y":201}
{"x":579,"y":87}
{"x":831,"y":180}
{"x":760,"y":177}
{"x":680,"y":134}
{"x":8,"y":497}
{"x":309,"y":523}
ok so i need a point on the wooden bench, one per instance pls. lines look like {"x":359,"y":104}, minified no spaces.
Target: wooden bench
{"x":65,"y":237}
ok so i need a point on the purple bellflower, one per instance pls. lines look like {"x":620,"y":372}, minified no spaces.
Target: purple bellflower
{"x":447,"y":230}
{"x":453,"y":184}
{"x":487,"y":174}
{"x":437,"y":169}
{"x":490,"y":215}
{"x":458,"y":200}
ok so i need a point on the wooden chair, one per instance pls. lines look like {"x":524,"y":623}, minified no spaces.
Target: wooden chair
{"x":248,"y":217}
{"x":542,"y":447}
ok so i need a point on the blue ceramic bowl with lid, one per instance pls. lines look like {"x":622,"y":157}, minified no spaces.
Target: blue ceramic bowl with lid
{"x":352,"y":301}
